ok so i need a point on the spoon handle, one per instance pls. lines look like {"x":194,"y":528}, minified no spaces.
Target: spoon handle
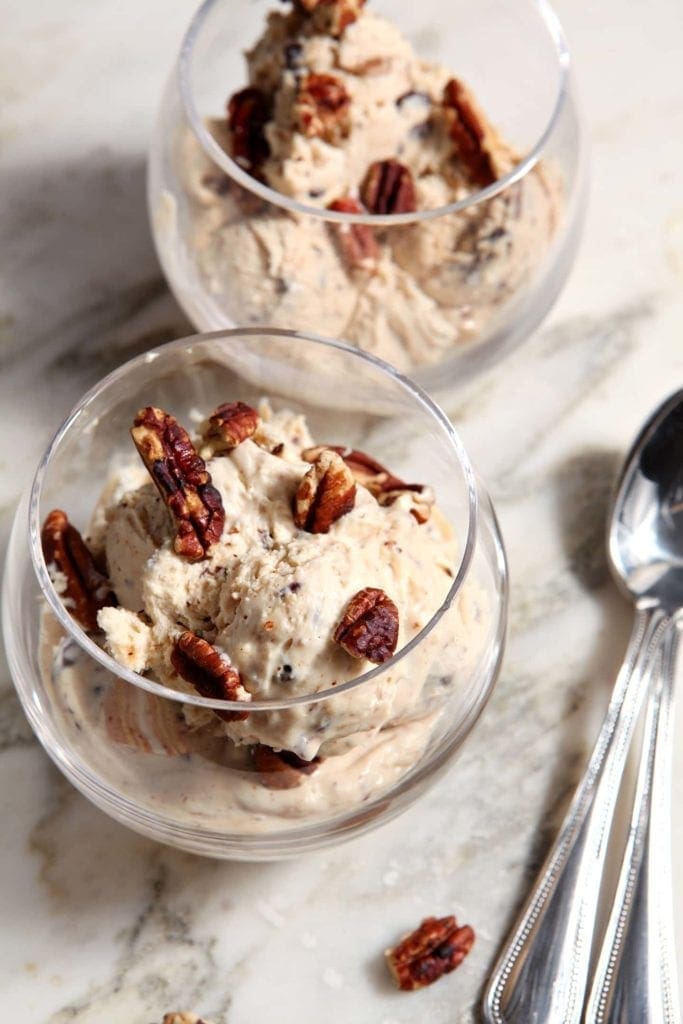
{"x":636,"y":973}
{"x":541,"y":975}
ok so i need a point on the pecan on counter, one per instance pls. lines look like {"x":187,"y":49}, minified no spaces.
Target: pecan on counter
{"x":332,"y":16}
{"x":227,"y":427}
{"x":388,"y":187}
{"x":369,"y":626}
{"x":210,"y":672}
{"x":249,"y":111}
{"x":281,"y":769}
{"x":73,"y":571}
{"x":357,"y":242}
{"x":326,"y":493}
{"x":323,"y":108}
{"x":436,"y":948}
{"x":466,"y":129}
{"x":183,"y":1018}
{"x":182,"y":480}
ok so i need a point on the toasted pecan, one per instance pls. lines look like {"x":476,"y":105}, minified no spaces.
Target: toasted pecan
{"x":84,"y":588}
{"x":323,"y":107}
{"x":356,"y":242}
{"x":381,"y":483}
{"x":369,"y":626}
{"x":332,"y":16}
{"x":325,"y":494}
{"x":281,"y":769}
{"x":182,"y":479}
{"x":435,"y":948}
{"x":228,"y":426}
{"x":203,"y":666}
{"x":388,"y":187}
{"x":467,"y":130}
{"x":249,"y":110}
{"x":183,"y":1018}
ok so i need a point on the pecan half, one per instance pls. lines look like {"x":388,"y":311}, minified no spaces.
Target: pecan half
{"x":357,"y":242}
{"x":467,"y":130}
{"x":83,"y":587}
{"x":332,"y":16}
{"x":436,"y":948}
{"x":323,"y":108}
{"x":388,"y":188}
{"x":381,"y":483}
{"x":248,"y":112}
{"x":281,"y":769}
{"x":204,"y":667}
{"x":182,"y":480}
{"x":369,"y":626}
{"x":326,"y":493}
{"x":228,"y":426}
{"x":183,"y":1018}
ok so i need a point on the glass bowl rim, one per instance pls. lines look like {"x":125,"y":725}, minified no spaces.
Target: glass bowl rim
{"x":218,"y":156}
{"x":75,"y":631}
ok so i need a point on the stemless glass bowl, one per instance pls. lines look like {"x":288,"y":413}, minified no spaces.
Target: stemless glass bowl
{"x":454,"y":313}
{"x":199,"y":800}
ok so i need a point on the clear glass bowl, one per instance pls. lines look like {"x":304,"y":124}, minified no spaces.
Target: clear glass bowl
{"x":114,"y":733}
{"x":451,"y":301}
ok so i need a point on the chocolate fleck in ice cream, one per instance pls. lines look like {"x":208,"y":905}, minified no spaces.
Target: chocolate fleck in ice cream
{"x":340,"y":113}
{"x":247,"y":563}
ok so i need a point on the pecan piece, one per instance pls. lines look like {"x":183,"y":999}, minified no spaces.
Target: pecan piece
{"x":281,"y":769}
{"x":248,"y":112}
{"x":388,"y":188}
{"x":228,"y":426}
{"x":182,"y":479}
{"x":357,"y":242}
{"x":323,"y":108}
{"x":369,"y":626}
{"x":183,"y":1018}
{"x":467,"y":130}
{"x":381,"y":483}
{"x":420,"y":500}
{"x":83,"y":587}
{"x":437,"y":947}
{"x":203,"y":666}
{"x":326,"y":493}
{"x":332,"y":16}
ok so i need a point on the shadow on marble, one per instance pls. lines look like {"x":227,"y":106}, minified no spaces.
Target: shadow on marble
{"x":582,"y":488}
{"x":78,"y":251}
{"x":84,"y":854}
{"x":377,"y":974}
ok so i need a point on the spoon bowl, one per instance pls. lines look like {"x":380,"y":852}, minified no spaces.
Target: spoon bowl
{"x":645,"y":532}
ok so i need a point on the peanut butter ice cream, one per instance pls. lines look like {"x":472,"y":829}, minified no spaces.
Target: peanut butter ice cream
{"x":340,"y":113}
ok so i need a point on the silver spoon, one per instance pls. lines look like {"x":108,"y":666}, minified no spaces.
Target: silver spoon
{"x":542,"y":975}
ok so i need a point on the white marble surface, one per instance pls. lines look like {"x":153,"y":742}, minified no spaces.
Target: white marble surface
{"x":99,"y":925}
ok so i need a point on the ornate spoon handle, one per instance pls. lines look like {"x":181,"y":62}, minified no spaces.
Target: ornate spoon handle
{"x":541,"y":976}
{"x":636,"y":974}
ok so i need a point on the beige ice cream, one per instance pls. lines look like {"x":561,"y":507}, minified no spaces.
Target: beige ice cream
{"x":428,"y":286}
{"x":269,"y":594}
{"x":267,"y":597}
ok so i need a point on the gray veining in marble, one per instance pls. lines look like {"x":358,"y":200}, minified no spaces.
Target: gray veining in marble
{"x":100,"y":925}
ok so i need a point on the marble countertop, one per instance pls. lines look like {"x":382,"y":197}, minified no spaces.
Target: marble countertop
{"x":100,"y":925}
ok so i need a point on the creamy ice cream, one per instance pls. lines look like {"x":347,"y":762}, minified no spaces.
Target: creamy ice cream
{"x":353,"y":120}
{"x":323,"y":565}
{"x":269,"y":594}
